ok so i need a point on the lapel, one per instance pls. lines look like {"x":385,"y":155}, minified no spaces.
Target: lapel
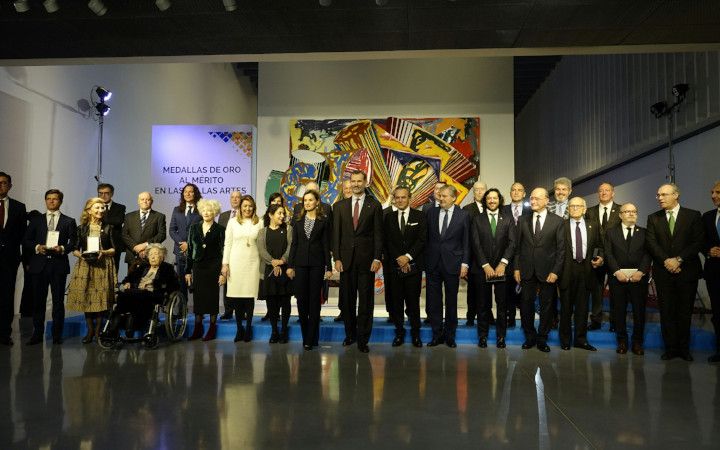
{"x":364,"y":212}
{"x":453,"y":220}
{"x":637,"y":241}
{"x":665,"y":226}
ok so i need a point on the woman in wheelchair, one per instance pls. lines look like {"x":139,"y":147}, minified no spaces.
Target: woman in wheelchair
{"x":146,"y":285}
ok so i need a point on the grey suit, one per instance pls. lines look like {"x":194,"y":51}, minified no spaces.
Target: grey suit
{"x":133,"y":234}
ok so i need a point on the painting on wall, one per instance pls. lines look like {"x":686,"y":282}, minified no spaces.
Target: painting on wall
{"x":410,"y":152}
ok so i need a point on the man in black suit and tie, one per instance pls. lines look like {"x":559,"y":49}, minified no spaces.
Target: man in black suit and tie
{"x":583,"y":253}
{"x":115,"y":216}
{"x":12,"y":230}
{"x":141,"y":228}
{"x":474,"y":208}
{"x":357,"y":249}
{"x":405,"y":232}
{"x":711,"y":223}
{"x":447,"y":260}
{"x":493,"y":235}
{"x":388,"y":281}
{"x":607,"y":214}
{"x":538,"y":263}
{"x":517,"y":207}
{"x":48,"y":239}
{"x":346,"y":193}
{"x":625,"y":249}
{"x":183,"y":216}
{"x":674,"y":239}
{"x":223,"y":220}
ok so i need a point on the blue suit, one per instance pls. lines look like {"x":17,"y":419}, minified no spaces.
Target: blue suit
{"x":179,"y":229}
{"x":444,"y":256}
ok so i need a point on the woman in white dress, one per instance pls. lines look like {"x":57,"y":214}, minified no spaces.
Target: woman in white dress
{"x":241,"y":265}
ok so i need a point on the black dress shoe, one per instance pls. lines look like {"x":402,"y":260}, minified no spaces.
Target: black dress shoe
{"x":307,"y":347}
{"x":228,"y":315}
{"x":586,"y":346}
{"x":500,"y":342}
{"x":528,"y":344}
{"x":348,"y":341}
{"x":389,"y":320}
{"x":34,"y":340}
{"x":482,"y":343}
{"x":612,"y":328}
{"x":686,"y":356}
{"x":416,"y":342}
{"x":565,"y":346}
{"x":470,"y":323}
{"x":592,"y":326}
{"x":239,"y":334}
{"x":451,"y":343}
{"x":264,"y":318}
{"x":667,"y":356}
{"x":621,"y":348}
{"x":511,"y":323}
{"x":434,"y":342}
{"x":426,"y":321}
{"x":543,"y":348}
{"x":339,"y":318}
{"x":363,"y":348}
{"x":714,"y":358}
{"x":398,"y":341}
{"x":6,"y":341}
{"x":57,"y":341}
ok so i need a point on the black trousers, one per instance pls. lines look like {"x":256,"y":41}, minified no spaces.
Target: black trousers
{"x":574,"y":305}
{"x":389,"y":285}
{"x":52,"y":277}
{"x":308,"y":284}
{"x":139,"y":303}
{"x":634,"y":294}
{"x":713,"y":287}
{"x":358,"y":285}
{"x":26,"y":300}
{"x":8,"y":273}
{"x":485,"y":291}
{"x":548,"y":295}
{"x":675,"y":299}
{"x":597,"y":289}
{"x":180,"y":265}
{"x":513,"y":298}
{"x":406,"y":294}
{"x":434,"y":299}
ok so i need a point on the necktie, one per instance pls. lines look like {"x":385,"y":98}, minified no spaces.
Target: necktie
{"x":2,"y":214}
{"x":445,"y":223}
{"x":232,"y":214}
{"x":516,"y":213}
{"x":402,"y":222}
{"x":189,"y":211}
{"x":493,"y":224}
{"x":628,"y":236}
{"x":51,"y":225}
{"x":356,"y":214}
{"x":605,"y":217}
{"x":537,"y":225}
{"x":143,"y":219}
{"x":717,"y":225}
{"x":671,"y":222}
{"x":578,"y":243}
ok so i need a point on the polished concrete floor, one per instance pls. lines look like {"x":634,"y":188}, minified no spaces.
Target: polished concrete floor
{"x":255,"y":395}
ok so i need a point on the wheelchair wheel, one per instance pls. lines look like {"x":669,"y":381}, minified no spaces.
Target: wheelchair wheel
{"x":151,"y":340}
{"x":176,"y":316}
{"x":107,"y":342}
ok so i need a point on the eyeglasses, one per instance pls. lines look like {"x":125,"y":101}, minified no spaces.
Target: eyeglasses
{"x":576,"y":206}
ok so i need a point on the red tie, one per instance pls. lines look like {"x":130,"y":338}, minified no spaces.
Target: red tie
{"x":356,"y":214}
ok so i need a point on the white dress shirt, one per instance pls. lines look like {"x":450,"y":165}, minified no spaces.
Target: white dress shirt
{"x":583,"y":232}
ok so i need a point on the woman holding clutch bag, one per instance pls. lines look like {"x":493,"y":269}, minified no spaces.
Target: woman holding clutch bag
{"x":92,"y":285}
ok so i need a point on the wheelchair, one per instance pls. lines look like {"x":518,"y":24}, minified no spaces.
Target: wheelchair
{"x":171,"y":314}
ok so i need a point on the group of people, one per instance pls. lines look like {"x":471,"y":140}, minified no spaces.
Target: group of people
{"x":559,"y":251}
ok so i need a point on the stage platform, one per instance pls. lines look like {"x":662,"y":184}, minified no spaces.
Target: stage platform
{"x":334,"y":332}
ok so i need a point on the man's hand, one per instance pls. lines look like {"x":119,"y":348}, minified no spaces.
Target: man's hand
{"x":139,"y":248}
{"x":597,"y":262}
{"x":636,"y":277}
{"x":291,"y":273}
{"x":672,"y":264}
{"x":277,"y":262}
{"x":183,"y":247}
{"x":338,"y":266}
{"x":375,"y":266}
{"x":516,"y":275}
{"x":188,"y":279}
{"x":715,"y":252}
{"x":621,"y":277}
{"x":489,"y":272}
{"x":463,"y":272}
{"x":402,"y":260}
{"x":500,"y":270}
{"x":551,"y":278}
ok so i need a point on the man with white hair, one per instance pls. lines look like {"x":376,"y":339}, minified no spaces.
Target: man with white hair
{"x":142,"y":227}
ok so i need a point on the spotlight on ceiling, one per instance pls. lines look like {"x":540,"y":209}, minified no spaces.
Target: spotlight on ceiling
{"x":51,"y":6}
{"x":98,"y":7}
{"x":21,"y":6}
{"x":163,"y":5}
{"x":382,"y":2}
{"x":102,"y":93}
{"x":658,"y":109}
{"x":230,"y":5}
{"x":680,"y":90}
{"x":325,"y":2}
{"x":102,"y":108}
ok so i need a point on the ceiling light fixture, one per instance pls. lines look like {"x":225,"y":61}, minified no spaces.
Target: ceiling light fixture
{"x":163,"y":5}
{"x":98,"y":7}
{"x":230,"y":5}
{"x":102,"y":93}
{"x":21,"y":6}
{"x":325,"y":2}
{"x":51,"y":6}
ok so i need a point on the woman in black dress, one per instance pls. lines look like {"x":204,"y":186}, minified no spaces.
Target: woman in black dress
{"x":274,"y":247}
{"x":206,"y":240}
{"x":309,"y":264}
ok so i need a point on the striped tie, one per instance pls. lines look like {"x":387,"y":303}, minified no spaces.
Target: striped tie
{"x":143,"y":219}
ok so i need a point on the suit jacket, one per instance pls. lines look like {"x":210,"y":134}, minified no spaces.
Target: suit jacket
{"x":488,"y":249}
{"x":595,"y":213}
{"x":115,"y":217}
{"x":594,"y":241}
{"x":553,"y":207}
{"x":11,"y":235}
{"x":411,"y":242}
{"x":472,"y":209}
{"x":205,"y":249}
{"x":166,"y":281}
{"x":224,"y":218}
{"x":133,"y":234}
{"x":686,"y":242}
{"x":427,"y":206}
{"x":619,"y":256}
{"x":180,"y":226}
{"x":712,"y":265}
{"x":361,"y":245}
{"x":451,"y":250}
{"x":538,"y":257}
{"x":36,"y":234}
{"x":312,"y":252}
{"x":507,"y":209}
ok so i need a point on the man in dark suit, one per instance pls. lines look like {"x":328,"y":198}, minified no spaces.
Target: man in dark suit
{"x":49,"y":239}
{"x":625,"y":249}
{"x":711,"y":223}
{"x":388,"y":280}
{"x":583,"y":253}
{"x":675,"y":237}
{"x":538,"y":263}
{"x":357,"y":249}
{"x":12,"y":230}
{"x":447,"y":260}
{"x":26,"y":298}
{"x":607,"y":214}
{"x":223,"y":220}
{"x":141,"y":228}
{"x":493,"y":235}
{"x":433,"y":202}
{"x":474,"y":208}
{"x":115,"y":216}
{"x":562,"y":188}
{"x":517,"y":207}
{"x":405,"y":232}
{"x":183,"y":216}
{"x":346,"y":193}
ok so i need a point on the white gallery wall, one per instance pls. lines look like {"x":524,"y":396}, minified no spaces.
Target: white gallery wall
{"x":437,"y":87}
